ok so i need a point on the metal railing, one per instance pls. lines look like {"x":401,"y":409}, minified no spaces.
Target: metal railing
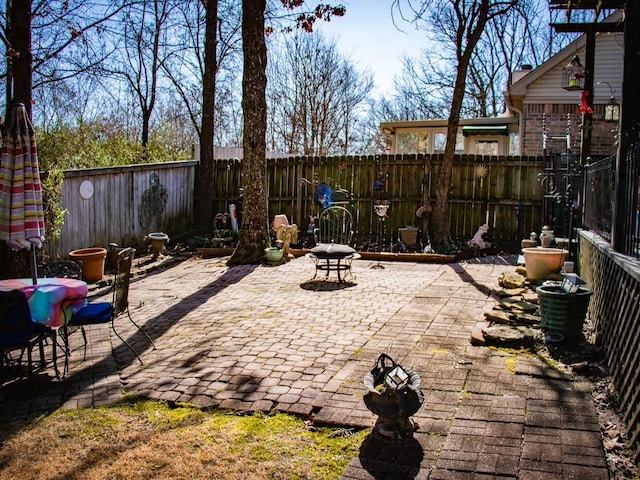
{"x":630,"y":209}
{"x":599,"y":195}
{"x":601,"y":199}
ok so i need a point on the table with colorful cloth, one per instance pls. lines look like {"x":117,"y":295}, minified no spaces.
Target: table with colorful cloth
{"x":46,"y":297}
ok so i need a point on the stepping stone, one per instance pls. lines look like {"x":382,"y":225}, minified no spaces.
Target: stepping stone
{"x":524,"y":306}
{"x":512,"y":292}
{"x":527,"y":318}
{"x":507,"y":334}
{"x":511,"y":280}
{"x":510,"y":300}
{"x":477,"y":337}
{"x":498,"y":316}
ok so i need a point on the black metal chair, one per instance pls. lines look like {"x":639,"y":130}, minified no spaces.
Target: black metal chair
{"x":19,"y":331}
{"x":106,"y":312}
{"x":332,"y":235}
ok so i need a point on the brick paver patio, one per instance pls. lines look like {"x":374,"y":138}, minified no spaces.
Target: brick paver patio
{"x":264,"y":338}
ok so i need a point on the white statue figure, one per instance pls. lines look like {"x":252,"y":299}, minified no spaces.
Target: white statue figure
{"x":477,"y":241}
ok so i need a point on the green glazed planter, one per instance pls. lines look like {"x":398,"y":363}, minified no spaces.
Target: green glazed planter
{"x":274,"y":255}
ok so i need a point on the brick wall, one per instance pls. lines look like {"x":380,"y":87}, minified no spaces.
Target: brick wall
{"x":555,"y":115}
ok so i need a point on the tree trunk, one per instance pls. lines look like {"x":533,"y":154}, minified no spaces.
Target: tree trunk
{"x":254,"y":229}
{"x":144,"y":137}
{"x":203,"y":201}
{"x":442,"y":228}
{"x":441,"y":212}
{"x":19,"y":37}
{"x":19,"y":86}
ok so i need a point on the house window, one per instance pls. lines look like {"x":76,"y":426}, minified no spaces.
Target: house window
{"x":486,"y":147}
{"x":439,"y":142}
{"x":460,"y":143}
{"x":412,"y":142}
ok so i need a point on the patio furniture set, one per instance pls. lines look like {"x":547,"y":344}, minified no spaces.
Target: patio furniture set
{"x":50,"y":310}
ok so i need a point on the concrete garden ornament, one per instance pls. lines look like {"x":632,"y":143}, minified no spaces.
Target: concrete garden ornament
{"x":287,"y":234}
{"x":477,"y":241}
{"x":394,"y":395}
{"x":158,"y":243}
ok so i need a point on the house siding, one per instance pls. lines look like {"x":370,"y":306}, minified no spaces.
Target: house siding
{"x":546,"y":98}
{"x":547,"y":89}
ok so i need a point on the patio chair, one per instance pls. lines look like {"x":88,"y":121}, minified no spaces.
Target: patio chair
{"x":61,"y":269}
{"x":107,"y":312}
{"x":19,"y":331}
{"x":332,"y":235}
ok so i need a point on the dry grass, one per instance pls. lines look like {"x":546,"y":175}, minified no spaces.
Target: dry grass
{"x":139,"y":439}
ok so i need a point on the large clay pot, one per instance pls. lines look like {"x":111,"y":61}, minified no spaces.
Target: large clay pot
{"x":92,"y":262}
{"x":542,"y":262}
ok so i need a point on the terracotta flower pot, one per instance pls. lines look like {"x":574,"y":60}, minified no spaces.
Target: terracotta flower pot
{"x":92,"y":262}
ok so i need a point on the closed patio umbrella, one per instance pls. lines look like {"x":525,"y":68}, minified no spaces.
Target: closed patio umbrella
{"x":21,"y":210}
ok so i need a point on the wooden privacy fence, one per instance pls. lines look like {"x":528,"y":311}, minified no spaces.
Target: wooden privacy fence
{"x":483,"y":190}
{"x":124,"y":204}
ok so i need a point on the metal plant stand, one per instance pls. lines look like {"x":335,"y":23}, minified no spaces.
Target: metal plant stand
{"x":380,"y":207}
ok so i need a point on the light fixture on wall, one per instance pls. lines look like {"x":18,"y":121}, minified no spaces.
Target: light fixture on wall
{"x":612,"y":108}
{"x":573,"y":74}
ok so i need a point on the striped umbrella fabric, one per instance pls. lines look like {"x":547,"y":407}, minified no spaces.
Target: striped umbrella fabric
{"x":21,"y":210}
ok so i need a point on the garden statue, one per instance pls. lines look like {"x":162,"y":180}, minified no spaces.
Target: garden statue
{"x":477,"y":241}
{"x":287,"y":234}
{"x":394,"y":395}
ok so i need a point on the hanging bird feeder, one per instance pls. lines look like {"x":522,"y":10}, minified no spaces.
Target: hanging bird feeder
{"x":573,"y":75}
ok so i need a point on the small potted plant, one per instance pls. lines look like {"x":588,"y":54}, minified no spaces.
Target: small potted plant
{"x":273,"y":254}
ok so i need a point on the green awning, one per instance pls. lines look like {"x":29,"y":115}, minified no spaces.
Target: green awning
{"x":485,"y":130}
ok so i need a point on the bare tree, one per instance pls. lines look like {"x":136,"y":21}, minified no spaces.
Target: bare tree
{"x":145,"y":46}
{"x":254,"y":229}
{"x":62,"y":39}
{"x":185,"y":67}
{"x":204,"y":178}
{"x":460,"y":24}
{"x":315,"y":95}
{"x":423,"y":89}
{"x":253,"y":233}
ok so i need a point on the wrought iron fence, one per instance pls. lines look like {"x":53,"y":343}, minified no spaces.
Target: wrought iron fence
{"x":601,"y":199}
{"x":631,"y":204}
{"x":599,"y":193}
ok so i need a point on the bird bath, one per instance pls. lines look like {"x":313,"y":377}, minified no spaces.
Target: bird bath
{"x":158,"y":241}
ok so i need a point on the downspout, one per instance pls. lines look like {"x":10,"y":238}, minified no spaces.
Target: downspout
{"x":512,"y":108}
{"x":520,"y":207}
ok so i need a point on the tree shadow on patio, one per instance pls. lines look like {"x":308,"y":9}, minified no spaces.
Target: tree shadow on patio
{"x":46,"y":395}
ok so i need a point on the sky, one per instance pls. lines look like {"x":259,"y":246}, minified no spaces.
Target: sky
{"x":367,"y":35}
